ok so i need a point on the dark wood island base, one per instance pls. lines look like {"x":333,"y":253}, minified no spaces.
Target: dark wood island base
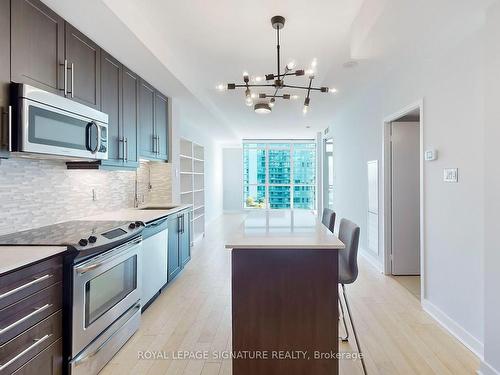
{"x":284,"y":311}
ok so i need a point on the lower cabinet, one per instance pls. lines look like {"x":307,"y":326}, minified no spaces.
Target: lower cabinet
{"x":185,"y":239}
{"x":179,"y":242}
{"x":48,"y":362}
{"x":31,"y":319}
{"x":174,"y":264}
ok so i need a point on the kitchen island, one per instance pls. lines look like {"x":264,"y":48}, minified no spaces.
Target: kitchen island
{"x":284,"y":294}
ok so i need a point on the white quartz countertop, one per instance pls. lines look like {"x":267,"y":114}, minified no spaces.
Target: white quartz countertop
{"x":13,"y":257}
{"x":138,"y":214}
{"x":283,"y":229}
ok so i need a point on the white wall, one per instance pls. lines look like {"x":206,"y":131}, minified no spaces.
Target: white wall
{"x":492,"y":194}
{"x":452,"y":87}
{"x":233,"y":179}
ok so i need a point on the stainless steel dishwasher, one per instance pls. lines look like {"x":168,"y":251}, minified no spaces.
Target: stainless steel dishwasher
{"x":154,"y":260}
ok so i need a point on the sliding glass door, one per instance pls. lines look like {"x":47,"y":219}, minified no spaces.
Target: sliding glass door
{"x":328,"y":173}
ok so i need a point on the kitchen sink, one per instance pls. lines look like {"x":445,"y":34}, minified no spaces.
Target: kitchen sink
{"x":159,"y":207}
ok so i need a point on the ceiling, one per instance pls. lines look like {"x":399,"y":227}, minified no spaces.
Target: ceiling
{"x":197,"y":44}
{"x":204,"y":43}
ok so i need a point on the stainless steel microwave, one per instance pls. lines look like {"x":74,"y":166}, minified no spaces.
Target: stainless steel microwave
{"x":49,"y":125}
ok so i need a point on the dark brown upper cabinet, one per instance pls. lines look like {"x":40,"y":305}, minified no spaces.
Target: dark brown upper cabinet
{"x":84,"y":61}
{"x":161,"y":126}
{"x":37,"y":50}
{"x":119,"y":99}
{"x":130,"y":83}
{"x":153,"y":123}
{"x":146,"y":121}
{"x":111,"y":103}
{"x":4,"y":76}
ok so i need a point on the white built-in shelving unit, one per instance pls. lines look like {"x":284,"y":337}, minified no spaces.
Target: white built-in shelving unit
{"x":192,"y":169}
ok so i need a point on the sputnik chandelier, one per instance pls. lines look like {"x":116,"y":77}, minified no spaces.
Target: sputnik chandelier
{"x":265,"y":102}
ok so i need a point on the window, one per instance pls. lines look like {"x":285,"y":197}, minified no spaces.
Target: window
{"x":279,"y":175}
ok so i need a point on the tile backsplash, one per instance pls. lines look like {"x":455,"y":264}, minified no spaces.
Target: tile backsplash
{"x":35,"y":192}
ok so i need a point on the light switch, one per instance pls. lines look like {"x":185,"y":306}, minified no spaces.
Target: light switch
{"x":450,"y":175}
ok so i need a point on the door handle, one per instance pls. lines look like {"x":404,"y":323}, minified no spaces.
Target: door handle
{"x":26,"y":317}
{"x":72,"y":80}
{"x":126,"y":149}
{"x":36,"y":342}
{"x":129,"y":314}
{"x":26,"y":285}
{"x":119,"y":251}
{"x":65,"y":67}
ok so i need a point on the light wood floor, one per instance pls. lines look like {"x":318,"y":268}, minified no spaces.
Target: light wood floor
{"x":193,"y":314}
{"x":411,"y":283}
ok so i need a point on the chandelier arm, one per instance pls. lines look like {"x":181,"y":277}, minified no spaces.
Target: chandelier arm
{"x":310,"y":85}
{"x":278,"y":49}
{"x":248,"y":85}
{"x":303,"y":87}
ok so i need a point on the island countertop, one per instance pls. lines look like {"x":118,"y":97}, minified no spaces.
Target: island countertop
{"x":283,"y":229}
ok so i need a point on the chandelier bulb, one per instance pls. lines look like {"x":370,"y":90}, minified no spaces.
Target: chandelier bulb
{"x":332,"y":90}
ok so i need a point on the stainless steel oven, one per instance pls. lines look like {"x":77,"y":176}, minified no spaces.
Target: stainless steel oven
{"x":106,"y":305}
{"x":45,"y":124}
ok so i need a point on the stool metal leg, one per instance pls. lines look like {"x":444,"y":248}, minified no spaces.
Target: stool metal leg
{"x":346,"y":338}
{"x":353,"y":329}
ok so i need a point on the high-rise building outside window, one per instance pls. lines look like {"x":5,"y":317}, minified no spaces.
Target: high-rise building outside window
{"x":279,"y":174}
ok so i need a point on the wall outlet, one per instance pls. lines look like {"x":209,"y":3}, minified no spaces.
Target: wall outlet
{"x":450,"y":175}
{"x":94,"y":195}
{"x":430,"y":155}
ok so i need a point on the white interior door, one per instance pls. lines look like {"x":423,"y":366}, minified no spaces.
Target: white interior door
{"x":405,"y":161}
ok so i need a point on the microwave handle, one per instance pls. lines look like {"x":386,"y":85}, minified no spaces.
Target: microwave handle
{"x":89,"y":136}
{"x":99,"y":141}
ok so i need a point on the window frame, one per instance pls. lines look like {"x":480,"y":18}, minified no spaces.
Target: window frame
{"x":277,"y":145}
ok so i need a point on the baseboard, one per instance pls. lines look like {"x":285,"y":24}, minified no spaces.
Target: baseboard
{"x":486,"y":369}
{"x":374,"y":262}
{"x":454,"y":328}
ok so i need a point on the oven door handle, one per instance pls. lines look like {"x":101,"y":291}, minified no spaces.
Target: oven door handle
{"x":129,"y":313}
{"x":123,"y":249}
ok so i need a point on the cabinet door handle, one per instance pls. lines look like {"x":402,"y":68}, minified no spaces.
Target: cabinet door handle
{"x":65,"y":77}
{"x":126,"y":149}
{"x":72,"y":80}
{"x":24,"y":286}
{"x":36,"y":342}
{"x":24,"y":318}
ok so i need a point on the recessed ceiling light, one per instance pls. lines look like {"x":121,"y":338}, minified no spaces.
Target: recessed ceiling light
{"x":350,"y":64}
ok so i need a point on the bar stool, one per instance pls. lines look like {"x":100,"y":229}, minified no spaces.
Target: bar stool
{"x":328,"y":219}
{"x":348,"y":272}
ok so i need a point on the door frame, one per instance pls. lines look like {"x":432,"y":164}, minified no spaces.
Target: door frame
{"x":387,"y":191}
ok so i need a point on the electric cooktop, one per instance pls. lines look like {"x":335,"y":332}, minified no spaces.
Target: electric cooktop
{"x":86,"y":238}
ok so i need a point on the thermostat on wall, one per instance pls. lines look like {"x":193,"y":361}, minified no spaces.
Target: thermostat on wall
{"x":450,"y":175}
{"x":431,"y":155}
